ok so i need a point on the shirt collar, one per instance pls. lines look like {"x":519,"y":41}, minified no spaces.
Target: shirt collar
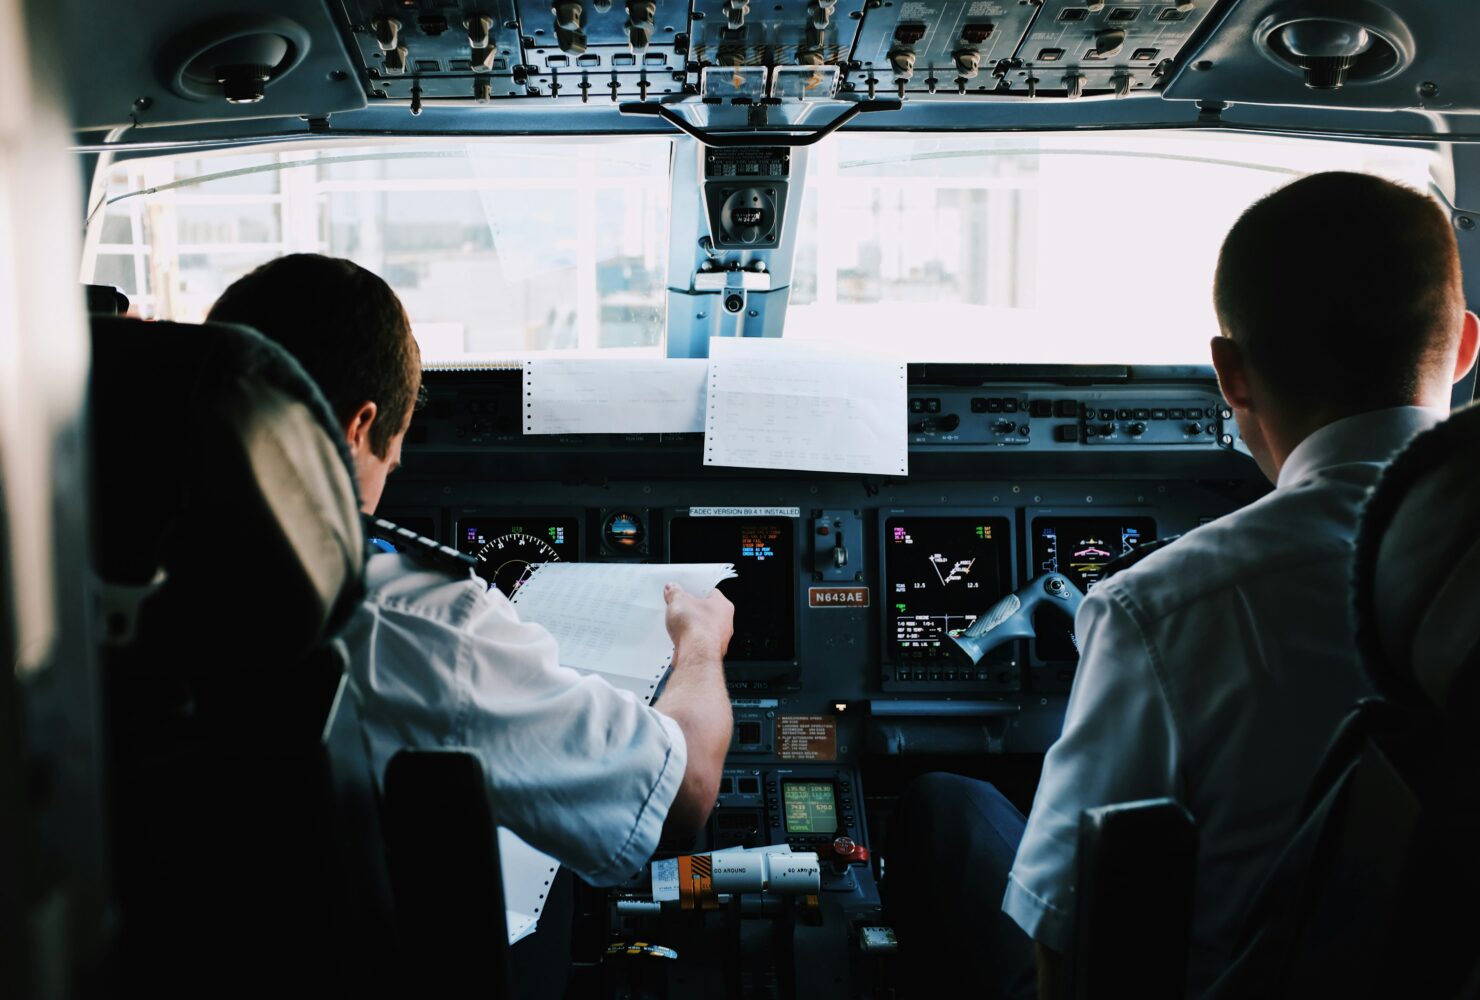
{"x":1367,"y":437}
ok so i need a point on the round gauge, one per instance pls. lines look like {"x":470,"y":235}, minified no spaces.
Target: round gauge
{"x":506,"y":559}
{"x":622,"y":532}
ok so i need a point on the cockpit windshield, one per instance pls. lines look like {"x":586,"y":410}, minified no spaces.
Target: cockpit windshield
{"x":496,"y":250}
{"x":1048,"y":248}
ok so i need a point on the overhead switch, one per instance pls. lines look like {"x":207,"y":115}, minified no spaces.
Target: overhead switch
{"x":388,"y":37}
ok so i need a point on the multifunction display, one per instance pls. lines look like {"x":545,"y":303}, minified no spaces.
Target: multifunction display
{"x":811,"y":806}
{"x":940,"y":573}
{"x":506,"y":547}
{"x":763,"y":552}
{"x":1079,"y":548}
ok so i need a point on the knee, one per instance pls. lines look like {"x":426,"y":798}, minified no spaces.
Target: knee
{"x":941,"y":793}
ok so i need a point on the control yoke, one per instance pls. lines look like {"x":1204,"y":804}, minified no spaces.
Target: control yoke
{"x":1012,"y":617}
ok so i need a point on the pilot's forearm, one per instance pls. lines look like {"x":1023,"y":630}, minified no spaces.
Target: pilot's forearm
{"x":696,"y":699}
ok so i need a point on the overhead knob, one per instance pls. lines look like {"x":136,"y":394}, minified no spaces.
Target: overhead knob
{"x":478,"y":25}
{"x":902,"y":61}
{"x":968,"y":63}
{"x":735,"y":11}
{"x":1109,"y":42}
{"x":640,"y":15}
{"x":1073,"y":85}
{"x":820,"y":12}
{"x":1325,"y":49}
{"x":569,"y":16}
{"x":387,"y":32}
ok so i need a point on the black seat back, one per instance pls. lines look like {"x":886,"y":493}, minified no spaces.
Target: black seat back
{"x":1133,"y":900}
{"x":1362,"y":901}
{"x":443,"y":851}
{"x":228,"y":551}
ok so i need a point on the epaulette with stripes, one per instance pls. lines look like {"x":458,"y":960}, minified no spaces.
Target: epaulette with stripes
{"x":385,"y":536}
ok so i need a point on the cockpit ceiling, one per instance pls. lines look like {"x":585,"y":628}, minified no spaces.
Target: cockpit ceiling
{"x":767,"y":63}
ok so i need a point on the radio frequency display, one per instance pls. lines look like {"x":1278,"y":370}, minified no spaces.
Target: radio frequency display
{"x":940,"y":574}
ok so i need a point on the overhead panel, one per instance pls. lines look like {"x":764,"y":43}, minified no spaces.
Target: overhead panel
{"x":438,"y":50}
{"x":1076,"y":48}
{"x":605,"y":48}
{"x":933,"y":46}
{"x":735,"y":33}
{"x":759,"y":51}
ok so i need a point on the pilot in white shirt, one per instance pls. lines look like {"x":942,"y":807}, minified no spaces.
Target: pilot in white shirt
{"x":1215,"y":670}
{"x":578,"y":768}
{"x":1214,"y":673}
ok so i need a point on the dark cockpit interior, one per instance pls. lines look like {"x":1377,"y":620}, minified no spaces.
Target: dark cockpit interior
{"x":900,"y":309}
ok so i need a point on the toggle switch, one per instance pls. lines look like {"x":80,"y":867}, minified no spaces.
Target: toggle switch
{"x":832,"y":558}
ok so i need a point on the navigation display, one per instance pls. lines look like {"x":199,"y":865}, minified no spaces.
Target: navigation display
{"x":940,"y":573}
{"x":506,"y":547}
{"x":1079,"y":548}
{"x":811,"y":806}
{"x":762,"y":550}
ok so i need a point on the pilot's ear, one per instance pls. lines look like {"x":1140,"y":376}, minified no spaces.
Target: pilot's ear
{"x":1233,"y":373}
{"x":357,"y":428}
{"x":1469,"y":346}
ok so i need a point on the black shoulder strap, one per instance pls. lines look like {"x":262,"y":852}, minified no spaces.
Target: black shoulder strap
{"x":424,"y":551}
{"x":1135,"y":555}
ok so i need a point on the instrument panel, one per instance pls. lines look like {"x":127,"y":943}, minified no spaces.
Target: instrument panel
{"x":847,"y":586}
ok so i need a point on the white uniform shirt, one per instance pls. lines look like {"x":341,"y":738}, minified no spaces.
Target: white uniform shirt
{"x":1215,"y":672}
{"x":578,"y":769}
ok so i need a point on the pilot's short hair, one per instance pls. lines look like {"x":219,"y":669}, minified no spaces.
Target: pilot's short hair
{"x":1342,"y":289}
{"x":344,"y":325}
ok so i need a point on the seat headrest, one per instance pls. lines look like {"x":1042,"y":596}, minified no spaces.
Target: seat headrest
{"x":217,"y":461}
{"x":1417,"y":573}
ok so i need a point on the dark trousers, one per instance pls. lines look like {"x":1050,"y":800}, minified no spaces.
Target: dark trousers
{"x":951,"y":844}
